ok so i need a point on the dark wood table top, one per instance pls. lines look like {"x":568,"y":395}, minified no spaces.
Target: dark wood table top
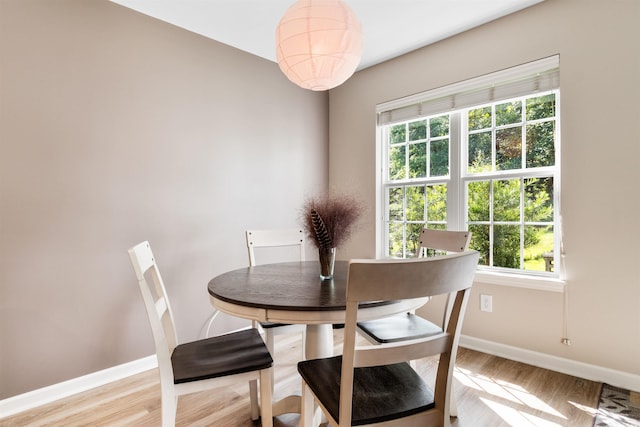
{"x":294,"y":286}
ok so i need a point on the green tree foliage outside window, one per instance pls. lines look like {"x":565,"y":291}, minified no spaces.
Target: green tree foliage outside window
{"x":417,"y":150}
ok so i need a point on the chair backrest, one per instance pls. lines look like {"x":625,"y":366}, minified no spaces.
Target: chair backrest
{"x":441,"y":242}
{"x":274,"y":238}
{"x":373,"y":280}
{"x":437,"y":242}
{"x":157,"y":305}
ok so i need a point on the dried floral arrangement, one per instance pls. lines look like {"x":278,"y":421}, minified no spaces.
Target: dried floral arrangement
{"x":328,"y":220}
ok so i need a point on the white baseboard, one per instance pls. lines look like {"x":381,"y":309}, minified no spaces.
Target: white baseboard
{"x":41,"y":396}
{"x":615,"y":378}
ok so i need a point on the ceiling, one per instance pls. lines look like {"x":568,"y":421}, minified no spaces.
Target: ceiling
{"x":391,"y":27}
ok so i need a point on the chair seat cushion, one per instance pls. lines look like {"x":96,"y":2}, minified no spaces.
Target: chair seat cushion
{"x":398,"y":328}
{"x":219,"y":356}
{"x":380,"y":393}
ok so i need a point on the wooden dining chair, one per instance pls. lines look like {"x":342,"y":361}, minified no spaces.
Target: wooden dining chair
{"x":204,"y":364}
{"x":293,"y":239}
{"x":371,"y":385}
{"x":410,"y":325}
{"x":285,"y":245}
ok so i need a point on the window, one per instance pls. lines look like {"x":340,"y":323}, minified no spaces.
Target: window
{"x":482,"y":155}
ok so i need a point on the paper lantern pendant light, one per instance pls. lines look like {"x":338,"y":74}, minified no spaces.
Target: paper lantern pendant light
{"x":319,"y":43}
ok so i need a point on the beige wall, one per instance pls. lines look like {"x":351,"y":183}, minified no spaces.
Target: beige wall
{"x":599,"y":65}
{"x":116,"y":128}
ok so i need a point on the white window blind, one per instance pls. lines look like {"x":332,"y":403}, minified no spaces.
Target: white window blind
{"x":537,"y":76}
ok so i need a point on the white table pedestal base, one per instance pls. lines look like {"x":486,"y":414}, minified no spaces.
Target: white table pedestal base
{"x":318,"y":342}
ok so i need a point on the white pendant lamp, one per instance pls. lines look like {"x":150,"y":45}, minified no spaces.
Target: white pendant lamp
{"x":319,"y":43}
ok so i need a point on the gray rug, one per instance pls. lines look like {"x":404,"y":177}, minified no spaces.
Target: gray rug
{"x":617,"y":407}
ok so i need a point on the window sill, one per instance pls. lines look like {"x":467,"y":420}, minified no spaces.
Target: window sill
{"x":548,"y":284}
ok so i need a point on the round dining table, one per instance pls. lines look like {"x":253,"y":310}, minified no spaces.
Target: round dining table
{"x":294,"y":293}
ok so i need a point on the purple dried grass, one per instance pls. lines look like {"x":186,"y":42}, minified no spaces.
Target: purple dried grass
{"x":337,"y":213}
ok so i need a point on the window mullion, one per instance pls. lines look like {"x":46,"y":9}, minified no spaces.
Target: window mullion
{"x":522,"y":220}
{"x":456,"y":215}
{"x":404,"y":221}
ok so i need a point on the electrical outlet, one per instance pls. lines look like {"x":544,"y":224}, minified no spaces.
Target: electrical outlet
{"x":486,"y":303}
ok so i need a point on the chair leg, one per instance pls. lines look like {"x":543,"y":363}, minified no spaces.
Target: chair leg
{"x":169,"y":409}
{"x":266,"y":397}
{"x":270,"y":341}
{"x":253,"y":399}
{"x":308,"y":408}
{"x":453,"y":407}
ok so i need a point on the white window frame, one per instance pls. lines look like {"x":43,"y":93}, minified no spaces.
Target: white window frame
{"x":524,"y":80}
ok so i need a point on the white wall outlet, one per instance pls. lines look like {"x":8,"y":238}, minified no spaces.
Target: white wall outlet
{"x":486,"y":303}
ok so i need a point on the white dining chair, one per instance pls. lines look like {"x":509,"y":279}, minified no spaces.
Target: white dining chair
{"x":203,"y":364}
{"x":409,"y":325}
{"x":286,"y":245}
{"x":277,"y":238}
{"x":374,"y":384}
{"x":278,"y":245}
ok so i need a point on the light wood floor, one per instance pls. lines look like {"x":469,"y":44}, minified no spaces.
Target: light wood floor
{"x":490,"y":392}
